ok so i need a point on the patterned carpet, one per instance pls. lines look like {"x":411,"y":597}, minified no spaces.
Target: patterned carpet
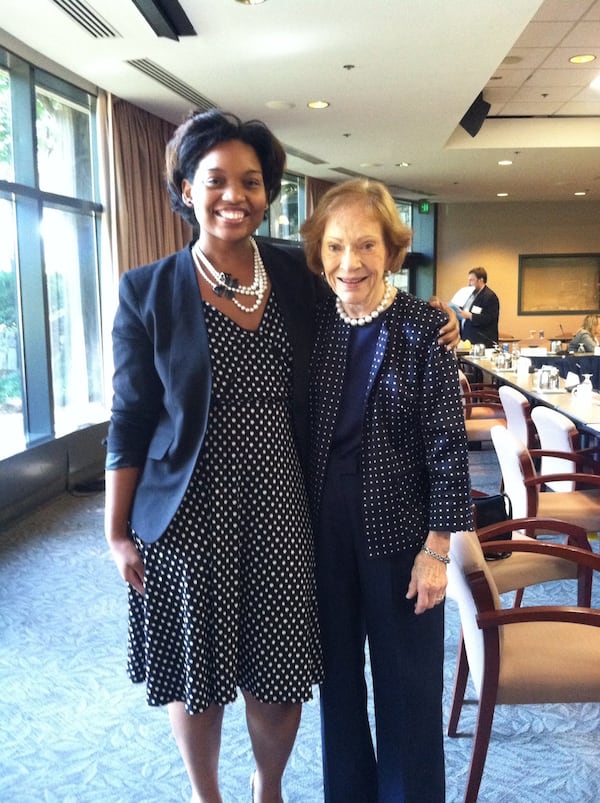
{"x":75,"y":731}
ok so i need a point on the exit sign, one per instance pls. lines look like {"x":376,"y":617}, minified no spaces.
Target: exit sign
{"x":424,"y":207}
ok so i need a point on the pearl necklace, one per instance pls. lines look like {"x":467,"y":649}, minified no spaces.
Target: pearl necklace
{"x":226,"y":286}
{"x":389,"y":289}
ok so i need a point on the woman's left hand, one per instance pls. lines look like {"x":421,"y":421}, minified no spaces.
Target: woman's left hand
{"x":428,"y":579}
{"x":450,"y":332}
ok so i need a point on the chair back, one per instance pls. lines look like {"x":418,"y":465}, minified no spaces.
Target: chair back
{"x":516,"y":411}
{"x":557,"y":433}
{"x":466,"y":558}
{"x":515,"y":465}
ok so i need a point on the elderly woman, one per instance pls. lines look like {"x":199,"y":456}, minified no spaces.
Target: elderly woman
{"x":389,"y":481}
{"x":586,"y":339}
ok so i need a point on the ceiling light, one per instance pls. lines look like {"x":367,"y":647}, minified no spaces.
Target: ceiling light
{"x":502,"y":194}
{"x":505,"y":162}
{"x":402,"y":164}
{"x":318,"y":104}
{"x":580,"y":193}
{"x":585,"y":58}
{"x":595,"y":83}
{"x":250,"y":2}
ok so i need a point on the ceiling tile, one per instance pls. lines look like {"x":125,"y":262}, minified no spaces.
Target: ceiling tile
{"x":566,"y":77}
{"x":543,"y":34}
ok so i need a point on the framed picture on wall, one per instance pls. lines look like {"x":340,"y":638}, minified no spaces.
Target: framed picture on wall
{"x":553,"y":284}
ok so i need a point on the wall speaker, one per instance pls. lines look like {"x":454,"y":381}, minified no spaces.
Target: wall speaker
{"x":475,"y":115}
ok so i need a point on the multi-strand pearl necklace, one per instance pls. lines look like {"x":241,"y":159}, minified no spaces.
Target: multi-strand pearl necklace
{"x":389,"y":289}
{"x":225,"y":285}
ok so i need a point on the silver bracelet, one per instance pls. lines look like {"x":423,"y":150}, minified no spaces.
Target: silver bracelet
{"x":437,"y":555}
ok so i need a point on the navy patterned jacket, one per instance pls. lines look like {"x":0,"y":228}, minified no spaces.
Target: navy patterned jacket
{"x":414,"y":458}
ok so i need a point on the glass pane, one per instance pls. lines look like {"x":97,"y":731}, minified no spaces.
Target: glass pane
{"x":7,"y":171}
{"x":12,"y":436}
{"x":74,"y":319}
{"x":287,"y":212}
{"x":63,"y":146}
{"x":405,"y":212}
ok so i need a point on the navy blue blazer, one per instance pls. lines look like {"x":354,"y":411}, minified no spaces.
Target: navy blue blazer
{"x":483,"y":326}
{"x":162,"y":374}
{"x":414,"y":456}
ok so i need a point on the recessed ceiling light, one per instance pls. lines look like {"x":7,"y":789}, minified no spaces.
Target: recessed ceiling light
{"x":580,"y":193}
{"x":504,"y":162}
{"x":402,"y":164}
{"x":250,"y":2}
{"x":584,"y":58}
{"x":502,"y":194}
{"x":318,"y":104}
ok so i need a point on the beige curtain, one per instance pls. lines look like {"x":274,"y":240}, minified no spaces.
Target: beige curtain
{"x":145,"y":228}
{"x":314,"y":189}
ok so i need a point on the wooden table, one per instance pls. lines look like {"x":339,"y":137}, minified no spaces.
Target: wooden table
{"x":585,"y":416}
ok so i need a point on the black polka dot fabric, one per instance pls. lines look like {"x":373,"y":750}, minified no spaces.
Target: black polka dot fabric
{"x":230,"y":597}
{"x":414,"y":453}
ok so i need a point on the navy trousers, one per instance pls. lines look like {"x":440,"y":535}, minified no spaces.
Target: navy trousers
{"x":364,"y":598}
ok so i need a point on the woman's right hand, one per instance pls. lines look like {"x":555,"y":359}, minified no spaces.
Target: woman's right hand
{"x":120,"y":489}
{"x":129,"y":561}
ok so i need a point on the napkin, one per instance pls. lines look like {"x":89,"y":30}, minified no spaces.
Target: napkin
{"x":571,"y":380}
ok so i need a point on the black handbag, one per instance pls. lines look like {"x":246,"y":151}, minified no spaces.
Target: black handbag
{"x":489,"y":510}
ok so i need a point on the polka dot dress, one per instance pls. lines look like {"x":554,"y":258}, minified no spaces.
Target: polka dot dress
{"x":230,"y":597}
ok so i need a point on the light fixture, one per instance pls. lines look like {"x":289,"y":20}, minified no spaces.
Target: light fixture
{"x":505,"y":162}
{"x":584,"y":58}
{"x":402,"y":164}
{"x":595,"y":83}
{"x":318,"y":104}
{"x":250,"y":2}
{"x":166,"y":18}
{"x":502,"y":194}
{"x":582,"y":192}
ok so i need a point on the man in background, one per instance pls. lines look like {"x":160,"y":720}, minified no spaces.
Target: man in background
{"x":479,"y":314}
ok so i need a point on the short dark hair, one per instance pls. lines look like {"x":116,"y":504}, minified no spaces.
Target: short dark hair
{"x":203,"y":131}
{"x":479,"y":273}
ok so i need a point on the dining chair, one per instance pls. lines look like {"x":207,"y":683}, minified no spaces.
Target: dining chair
{"x":482,"y":409}
{"x":558,"y":433}
{"x":517,"y":412}
{"x":518,"y":656}
{"x":524,"y":486}
{"x":516,"y":571}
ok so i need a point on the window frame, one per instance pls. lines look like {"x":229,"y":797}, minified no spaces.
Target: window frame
{"x":29,"y":202}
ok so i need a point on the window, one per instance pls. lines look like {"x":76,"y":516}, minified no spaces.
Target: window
{"x":401,"y":279}
{"x":286,"y":213}
{"x":50,"y":332}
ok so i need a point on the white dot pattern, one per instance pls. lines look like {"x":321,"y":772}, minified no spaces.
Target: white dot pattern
{"x":230,"y":593}
{"x":414,"y":457}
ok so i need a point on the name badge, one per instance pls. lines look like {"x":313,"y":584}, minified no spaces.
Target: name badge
{"x":475,"y":309}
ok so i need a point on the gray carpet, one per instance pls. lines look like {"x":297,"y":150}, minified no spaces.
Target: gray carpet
{"x":75,"y":730}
